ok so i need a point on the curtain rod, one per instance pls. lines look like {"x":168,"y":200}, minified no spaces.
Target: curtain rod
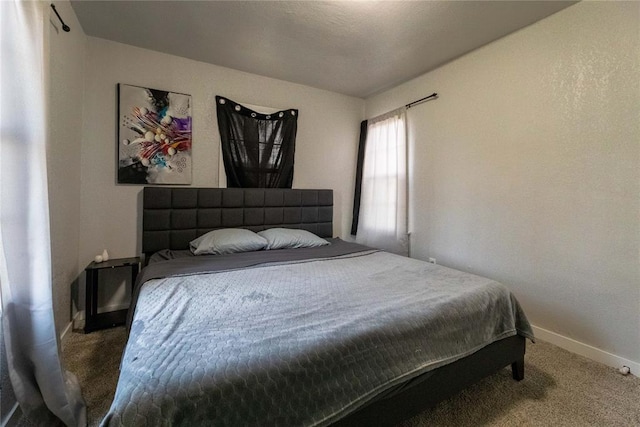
{"x":65,"y":27}
{"x":421,"y":100}
{"x":409,"y":105}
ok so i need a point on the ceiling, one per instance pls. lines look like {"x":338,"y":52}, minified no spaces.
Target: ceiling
{"x":357,"y":48}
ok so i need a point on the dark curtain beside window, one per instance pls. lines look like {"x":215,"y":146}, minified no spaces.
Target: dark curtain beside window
{"x":257,"y":149}
{"x":356,"y":196}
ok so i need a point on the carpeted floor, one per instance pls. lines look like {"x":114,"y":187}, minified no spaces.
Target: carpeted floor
{"x":95,"y":359}
{"x":559,"y":389}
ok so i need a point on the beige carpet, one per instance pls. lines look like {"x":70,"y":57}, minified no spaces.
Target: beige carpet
{"x":95,"y":359}
{"x":559,"y":389}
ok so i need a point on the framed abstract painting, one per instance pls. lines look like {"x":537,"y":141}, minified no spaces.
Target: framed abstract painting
{"x":154,"y":136}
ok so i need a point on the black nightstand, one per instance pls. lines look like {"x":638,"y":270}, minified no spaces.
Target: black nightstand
{"x":94,"y":320}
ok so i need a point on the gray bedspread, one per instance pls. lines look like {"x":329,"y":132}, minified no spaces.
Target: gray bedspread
{"x":299,"y":343}
{"x":168,"y":263}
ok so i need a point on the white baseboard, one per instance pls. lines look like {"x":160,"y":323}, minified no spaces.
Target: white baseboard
{"x":67,"y":329}
{"x":13,"y":417}
{"x":586,"y":350}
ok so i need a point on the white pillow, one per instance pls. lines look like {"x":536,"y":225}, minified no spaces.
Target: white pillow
{"x":227,"y":241}
{"x":287,"y":238}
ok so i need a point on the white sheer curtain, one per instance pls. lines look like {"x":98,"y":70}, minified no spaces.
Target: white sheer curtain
{"x":46,"y":393}
{"x":383,"y":208}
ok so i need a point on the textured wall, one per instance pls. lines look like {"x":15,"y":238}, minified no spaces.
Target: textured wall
{"x":527,"y":169}
{"x":326,"y":142}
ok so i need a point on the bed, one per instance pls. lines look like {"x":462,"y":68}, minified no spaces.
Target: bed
{"x":338,"y":334}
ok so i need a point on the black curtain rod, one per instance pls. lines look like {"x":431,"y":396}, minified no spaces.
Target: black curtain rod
{"x":411,"y":104}
{"x":64,"y":26}
{"x":426,"y":98}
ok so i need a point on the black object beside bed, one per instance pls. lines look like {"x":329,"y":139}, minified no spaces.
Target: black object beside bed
{"x":172,"y":217}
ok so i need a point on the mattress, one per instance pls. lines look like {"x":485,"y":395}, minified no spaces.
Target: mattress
{"x":296,"y":337}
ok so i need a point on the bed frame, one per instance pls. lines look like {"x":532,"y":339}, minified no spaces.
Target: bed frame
{"x":172,"y":217}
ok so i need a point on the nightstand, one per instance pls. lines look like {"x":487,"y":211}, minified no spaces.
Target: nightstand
{"x":94,"y":320}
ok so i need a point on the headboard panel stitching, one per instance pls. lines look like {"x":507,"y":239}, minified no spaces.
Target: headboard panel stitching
{"x":172,"y":217}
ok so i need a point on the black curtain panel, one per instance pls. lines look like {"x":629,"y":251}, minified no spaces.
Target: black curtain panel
{"x":257,"y":149}
{"x":356,"y":196}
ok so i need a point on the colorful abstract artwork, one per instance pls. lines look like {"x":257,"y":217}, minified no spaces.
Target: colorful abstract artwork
{"x":154,"y":138}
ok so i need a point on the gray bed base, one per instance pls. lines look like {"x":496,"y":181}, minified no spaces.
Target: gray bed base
{"x":172,"y":217}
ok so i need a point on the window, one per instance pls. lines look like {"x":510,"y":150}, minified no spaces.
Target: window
{"x":383,"y":208}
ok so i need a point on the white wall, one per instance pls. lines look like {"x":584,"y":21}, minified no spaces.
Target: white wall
{"x":527,"y":170}
{"x":326,"y":144}
{"x":66,"y":87}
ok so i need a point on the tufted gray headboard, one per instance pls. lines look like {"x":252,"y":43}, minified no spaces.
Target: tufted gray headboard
{"x":172,"y":217}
